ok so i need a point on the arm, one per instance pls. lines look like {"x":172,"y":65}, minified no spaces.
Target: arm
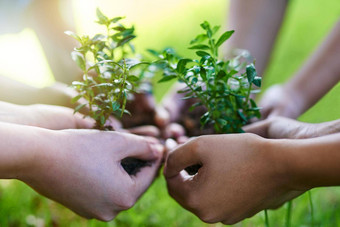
{"x":256,"y":24}
{"x":50,"y":31}
{"x":316,"y":77}
{"x":78,"y":168}
{"x":243,"y":174}
{"x":19,"y":93}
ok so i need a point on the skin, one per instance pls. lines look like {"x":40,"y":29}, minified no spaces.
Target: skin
{"x":79,"y":168}
{"x":256,"y":24}
{"x":243,"y":174}
{"x":281,"y":127}
{"x":321,"y":70}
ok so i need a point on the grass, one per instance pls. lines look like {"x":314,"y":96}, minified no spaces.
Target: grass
{"x":306,"y":24}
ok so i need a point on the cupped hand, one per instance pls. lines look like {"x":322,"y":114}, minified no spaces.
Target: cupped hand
{"x":81,"y":169}
{"x":239,"y":177}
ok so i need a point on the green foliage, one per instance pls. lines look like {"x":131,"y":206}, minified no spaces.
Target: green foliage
{"x":110,"y":77}
{"x":222,"y":86}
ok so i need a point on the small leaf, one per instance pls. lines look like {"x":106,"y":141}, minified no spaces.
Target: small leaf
{"x":116,"y":19}
{"x":79,"y":107}
{"x":101,"y":17}
{"x":251,"y":72}
{"x":257,"y":81}
{"x":224,"y":37}
{"x":133,"y":78}
{"x":181,"y":64}
{"x":115,"y":106}
{"x":73,"y":35}
{"x":166,"y":78}
{"x":76,"y":98}
{"x":202,"y":53}
{"x":125,"y":40}
{"x":203,"y":73}
{"x":79,"y":59}
{"x":200,"y":38}
{"x":199,"y":47}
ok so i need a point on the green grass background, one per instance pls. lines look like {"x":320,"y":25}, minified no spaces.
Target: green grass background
{"x":306,"y":24}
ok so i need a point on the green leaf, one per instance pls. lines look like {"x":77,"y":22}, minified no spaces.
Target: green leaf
{"x":73,"y":35}
{"x":200,"y":38}
{"x":202,"y":53}
{"x":199,"y":47}
{"x":221,"y":122}
{"x":125,"y":40}
{"x":79,"y":59}
{"x":181,"y":64}
{"x":76,"y":98}
{"x":257,"y":81}
{"x":101,"y":17}
{"x":224,"y":37}
{"x":166,"y":78}
{"x":203,"y":73}
{"x":133,"y":78}
{"x":251,"y":73}
{"x":116,"y":19}
{"x":79,"y":107}
{"x":115,"y":106}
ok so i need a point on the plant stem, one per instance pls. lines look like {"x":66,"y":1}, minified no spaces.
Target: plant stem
{"x":289,"y":213}
{"x":311,"y":207}
{"x":266,"y":218}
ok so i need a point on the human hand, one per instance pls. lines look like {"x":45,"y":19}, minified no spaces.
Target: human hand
{"x":239,"y":177}
{"x":278,"y":100}
{"x":281,"y":127}
{"x":81,"y":169}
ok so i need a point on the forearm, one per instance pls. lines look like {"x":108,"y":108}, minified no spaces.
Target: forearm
{"x":256,"y":24}
{"x":15,"y":92}
{"x":310,"y":163}
{"x":19,"y":149}
{"x":320,"y":73}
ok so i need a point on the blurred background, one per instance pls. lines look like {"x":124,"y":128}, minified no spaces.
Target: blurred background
{"x":159,"y":24}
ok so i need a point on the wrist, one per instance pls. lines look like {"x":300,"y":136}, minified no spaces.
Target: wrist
{"x":296,"y":97}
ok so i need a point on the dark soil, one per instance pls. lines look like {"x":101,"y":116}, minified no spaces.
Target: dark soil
{"x":190,"y":120}
{"x":132,"y":165}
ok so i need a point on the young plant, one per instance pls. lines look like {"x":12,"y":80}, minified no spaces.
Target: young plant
{"x":109,"y":76}
{"x":223,"y":87}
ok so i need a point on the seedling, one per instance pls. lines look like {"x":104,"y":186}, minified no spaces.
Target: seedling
{"x":110,"y":75}
{"x":223,"y":87}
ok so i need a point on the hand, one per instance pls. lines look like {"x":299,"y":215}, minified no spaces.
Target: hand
{"x":239,"y":177}
{"x":45,"y":116}
{"x":81,"y":169}
{"x":278,"y":100}
{"x":281,"y":127}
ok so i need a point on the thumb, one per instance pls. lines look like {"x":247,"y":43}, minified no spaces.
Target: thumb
{"x":260,"y":128}
{"x":141,"y":148}
{"x":184,"y":156}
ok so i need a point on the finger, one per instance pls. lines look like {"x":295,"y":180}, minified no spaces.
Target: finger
{"x":173,"y":130}
{"x":260,"y":128}
{"x":140,"y":148}
{"x":184,"y":156}
{"x":162,"y":117}
{"x":179,"y":187}
{"x":147,"y":130}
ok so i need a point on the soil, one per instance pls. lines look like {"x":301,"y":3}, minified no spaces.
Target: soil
{"x":132,"y":165}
